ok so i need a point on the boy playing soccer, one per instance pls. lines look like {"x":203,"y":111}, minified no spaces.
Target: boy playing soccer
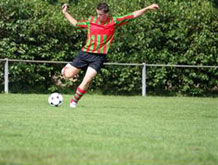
{"x":100,"y":35}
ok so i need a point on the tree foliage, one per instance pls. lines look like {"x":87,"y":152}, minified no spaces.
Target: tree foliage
{"x":180,"y":32}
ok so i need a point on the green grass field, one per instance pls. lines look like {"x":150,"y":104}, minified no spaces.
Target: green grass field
{"x":109,"y":130}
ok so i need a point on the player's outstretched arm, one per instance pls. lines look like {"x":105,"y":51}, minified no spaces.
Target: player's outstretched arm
{"x":72,"y":20}
{"x":144,"y":10}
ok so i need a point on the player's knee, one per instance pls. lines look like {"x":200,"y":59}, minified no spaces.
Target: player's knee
{"x":68,"y":73}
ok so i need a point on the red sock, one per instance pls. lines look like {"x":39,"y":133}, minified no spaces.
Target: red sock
{"x":79,"y":93}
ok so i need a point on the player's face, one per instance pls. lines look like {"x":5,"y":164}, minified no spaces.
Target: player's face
{"x":102,"y":15}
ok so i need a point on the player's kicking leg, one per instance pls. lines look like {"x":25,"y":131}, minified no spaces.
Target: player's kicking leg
{"x":69,"y":71}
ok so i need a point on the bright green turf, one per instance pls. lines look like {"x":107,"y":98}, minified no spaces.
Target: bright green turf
{"x":109,"y":130}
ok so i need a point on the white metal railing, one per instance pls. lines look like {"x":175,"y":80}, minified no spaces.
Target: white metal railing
{"x":144,"y":66}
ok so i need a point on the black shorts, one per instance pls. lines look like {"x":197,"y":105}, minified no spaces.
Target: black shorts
{"x":84,"y":60}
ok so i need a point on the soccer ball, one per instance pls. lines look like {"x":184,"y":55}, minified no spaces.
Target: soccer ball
{"x":55,"y":99}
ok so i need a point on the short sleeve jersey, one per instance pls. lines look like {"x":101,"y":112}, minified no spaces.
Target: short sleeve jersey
{"x":101,"y":34}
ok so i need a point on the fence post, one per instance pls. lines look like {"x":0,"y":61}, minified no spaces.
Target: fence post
{"x":144,"y":79}
{"x":6,"y":75}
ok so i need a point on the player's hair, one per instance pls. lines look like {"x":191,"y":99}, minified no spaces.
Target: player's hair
{"x":103,"y":6}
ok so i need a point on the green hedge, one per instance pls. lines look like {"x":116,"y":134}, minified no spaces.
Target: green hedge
{"x":180,"y":32}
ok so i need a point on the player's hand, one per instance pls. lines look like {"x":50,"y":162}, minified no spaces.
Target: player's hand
{"x":154,"y":7}
{"x":64,"y":8}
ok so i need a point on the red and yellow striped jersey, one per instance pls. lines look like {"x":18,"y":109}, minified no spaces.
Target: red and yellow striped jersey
{"x":101,"y":34}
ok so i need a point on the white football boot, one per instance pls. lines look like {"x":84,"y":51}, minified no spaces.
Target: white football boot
{"x":72,"y":104}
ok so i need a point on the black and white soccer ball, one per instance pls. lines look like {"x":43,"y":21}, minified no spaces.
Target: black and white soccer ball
{"x":55,"y":99}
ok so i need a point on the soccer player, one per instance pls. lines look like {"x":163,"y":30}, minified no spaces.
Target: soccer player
{"x":100,"y":35}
